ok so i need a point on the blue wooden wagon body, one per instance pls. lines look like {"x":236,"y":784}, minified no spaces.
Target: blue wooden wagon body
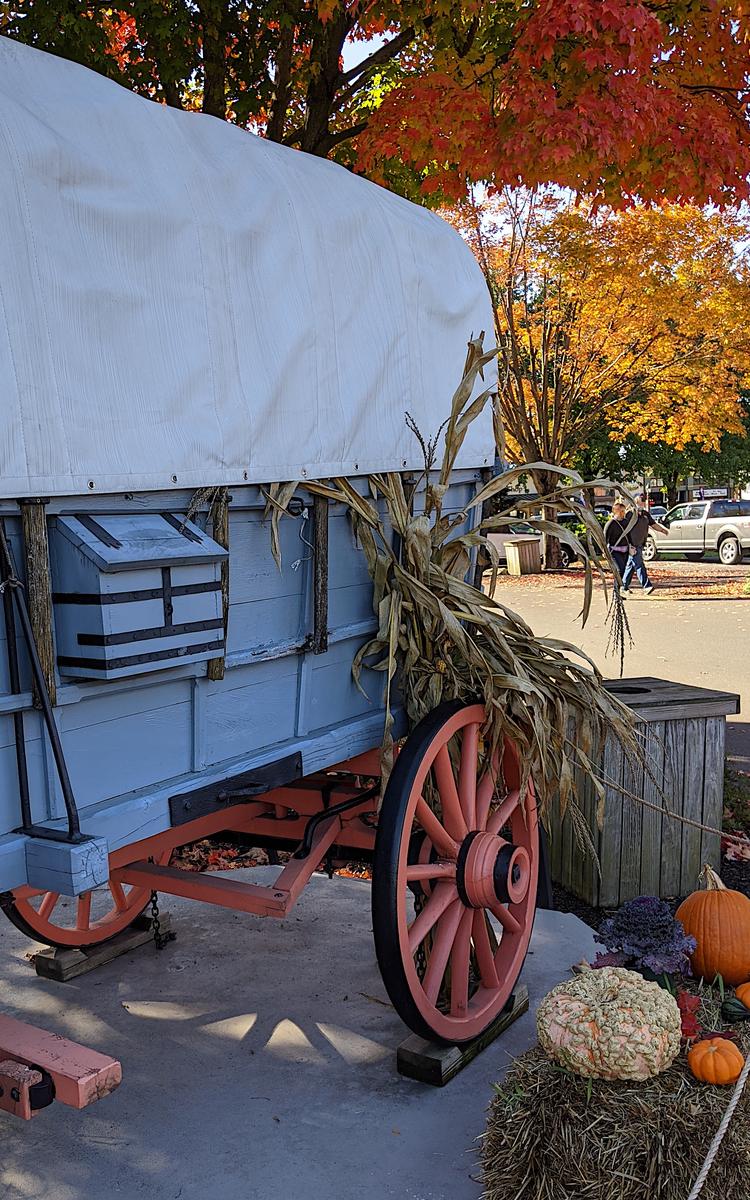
{"x":134,"y":741}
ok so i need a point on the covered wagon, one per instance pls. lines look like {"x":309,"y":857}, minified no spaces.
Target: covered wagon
{"x":190,"y":315}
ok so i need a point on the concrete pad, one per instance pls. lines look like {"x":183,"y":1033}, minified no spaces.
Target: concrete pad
{"x":259,"y":1064}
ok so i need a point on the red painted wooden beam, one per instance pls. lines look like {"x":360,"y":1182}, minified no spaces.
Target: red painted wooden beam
{"x":80,"y":1075}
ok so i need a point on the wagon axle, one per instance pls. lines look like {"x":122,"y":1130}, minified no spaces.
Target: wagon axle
{"x":490,"y":870}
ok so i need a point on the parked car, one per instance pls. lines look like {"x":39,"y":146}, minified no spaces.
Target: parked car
{"x":524,"y":529}
{"x":517,"y":529}
{"x":694,"y":528}
{"x":658,"y":511}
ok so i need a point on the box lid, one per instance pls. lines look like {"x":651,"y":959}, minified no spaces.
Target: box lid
{"x":118,"y":542}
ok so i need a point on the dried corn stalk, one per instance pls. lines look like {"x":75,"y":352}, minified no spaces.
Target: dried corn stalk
{"x":439,"y":638}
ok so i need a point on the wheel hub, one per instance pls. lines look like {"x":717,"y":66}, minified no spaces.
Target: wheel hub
{"x":491,"y":870}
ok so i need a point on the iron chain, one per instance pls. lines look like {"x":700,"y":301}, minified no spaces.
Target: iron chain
{"x":160,"y":939}
{"x":420,"y":958}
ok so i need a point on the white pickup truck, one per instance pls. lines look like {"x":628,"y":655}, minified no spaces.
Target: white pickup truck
{"x":694,"y":528}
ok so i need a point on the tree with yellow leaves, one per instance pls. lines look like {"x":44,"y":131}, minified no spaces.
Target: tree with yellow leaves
{"x":635,"y":321}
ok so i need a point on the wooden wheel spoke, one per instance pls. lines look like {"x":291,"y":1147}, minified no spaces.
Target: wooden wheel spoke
{"x":442,"y":945}
{"x":430,"y":870}
{"x":485,"y":791}
{"x":118,"y":895}
{"x":443,"y":895}
{"x":460,"y":965}
{"x":48,"y":904}
{"x":83,"y":911}
{"x":467,"y":776}
{"x":438,"y":835}
{"x":485,"y":954}
{"x":509,"y":923}
{"x":503,"y":812}
{"x":453,"y":817}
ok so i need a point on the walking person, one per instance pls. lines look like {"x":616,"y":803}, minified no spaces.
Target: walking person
{"x":642,"y":521}
{"x":616,"y":537}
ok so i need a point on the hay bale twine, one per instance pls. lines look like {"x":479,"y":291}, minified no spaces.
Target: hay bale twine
{"x":553,"y":1136}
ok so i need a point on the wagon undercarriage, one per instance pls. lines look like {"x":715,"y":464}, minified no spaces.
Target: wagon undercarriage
{"x":454,"y":880}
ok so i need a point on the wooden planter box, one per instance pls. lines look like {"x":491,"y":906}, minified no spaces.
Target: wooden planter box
{"x":524,"y":555}
{"x":642,"y":852}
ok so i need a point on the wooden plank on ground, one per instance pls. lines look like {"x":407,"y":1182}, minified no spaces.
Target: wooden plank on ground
{"x":62,"y":964}
{"x":433,"y":1063}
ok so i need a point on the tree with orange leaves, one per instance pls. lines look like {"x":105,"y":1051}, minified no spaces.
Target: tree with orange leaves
{"x":633,"y":322}
{"x":616,"y":99}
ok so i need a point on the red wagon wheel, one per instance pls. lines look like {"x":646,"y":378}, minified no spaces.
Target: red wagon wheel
{"x":86,"y":920}
{"x":454,"y":890}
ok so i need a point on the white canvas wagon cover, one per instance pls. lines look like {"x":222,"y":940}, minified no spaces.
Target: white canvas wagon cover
{"x":183,"y":303}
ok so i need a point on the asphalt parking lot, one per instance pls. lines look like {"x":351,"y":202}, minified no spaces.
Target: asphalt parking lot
{"x":689,"y":630}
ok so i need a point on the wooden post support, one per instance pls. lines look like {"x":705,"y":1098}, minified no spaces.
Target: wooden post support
{"x":220,"y":534}
{"x":431,"y":1062}
{"x":39,"y":589}
{"x":320,"y":575}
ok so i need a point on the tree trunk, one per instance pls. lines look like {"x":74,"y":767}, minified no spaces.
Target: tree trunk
{"x":282,"y":86}
{"x":214,"y":68}
{"x":545,"y":484}
{"x":672,"y":489}
{"x":325,"y":53}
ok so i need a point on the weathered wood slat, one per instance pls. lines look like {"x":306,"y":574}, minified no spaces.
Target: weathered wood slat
{"x":631,"y":831}
{"x":555,"y":838}
{"x":39,"y":590}
{"x":692,"y":803}
{"x":713,"y":790}
{"x":651,"y":830}
{"x":320,"y":575}
{"x":569,"y":850}
{"x":220,"y":534}
{"x":611,"y":837}
{"x":671,"y":830}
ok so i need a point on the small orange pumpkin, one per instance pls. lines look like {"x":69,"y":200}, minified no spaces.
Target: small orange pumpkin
{"x":719,"y":920}
{"x":716,"y":1060}
{"x":743,"y":994}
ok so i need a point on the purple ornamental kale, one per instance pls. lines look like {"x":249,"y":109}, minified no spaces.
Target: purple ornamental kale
{"x":643,"y":933}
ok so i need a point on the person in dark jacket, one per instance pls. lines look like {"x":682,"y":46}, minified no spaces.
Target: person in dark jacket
{"x":616,"y":537}
{"x":637,"y":535}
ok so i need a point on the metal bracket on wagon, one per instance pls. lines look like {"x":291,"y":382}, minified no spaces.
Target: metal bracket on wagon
{"x":203,"y":801}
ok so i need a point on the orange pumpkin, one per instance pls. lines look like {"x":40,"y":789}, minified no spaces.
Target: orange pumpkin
{"x":743,"y":994}
{"x":719,"y":920}
{"x":716,"y":1060}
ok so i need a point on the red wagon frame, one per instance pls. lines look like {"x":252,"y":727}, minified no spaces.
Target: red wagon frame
{"x":455,"y":877}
